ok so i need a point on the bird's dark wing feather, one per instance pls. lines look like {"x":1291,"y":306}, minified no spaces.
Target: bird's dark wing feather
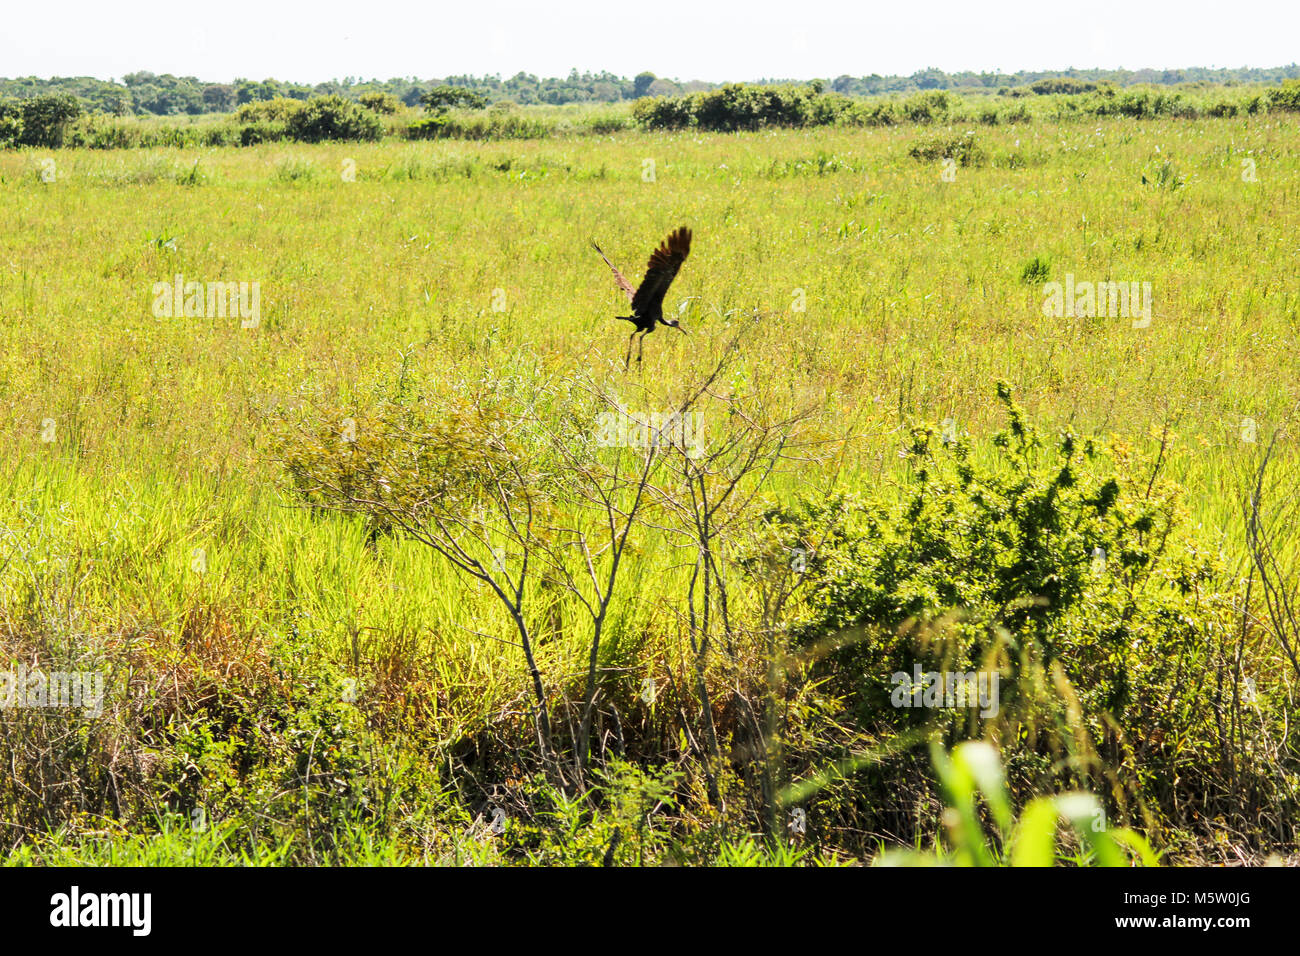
{"x":618,"y":276}
{"x":661,"y":270}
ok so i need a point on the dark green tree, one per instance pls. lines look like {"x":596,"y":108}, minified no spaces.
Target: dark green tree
{"x":442,"y":98}
{"x":45,"y":119}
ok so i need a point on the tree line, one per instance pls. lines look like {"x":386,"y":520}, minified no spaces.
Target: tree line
{"x":168,"y":95}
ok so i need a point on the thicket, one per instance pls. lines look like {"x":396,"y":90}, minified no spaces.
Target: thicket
{"x":1065,"y":567}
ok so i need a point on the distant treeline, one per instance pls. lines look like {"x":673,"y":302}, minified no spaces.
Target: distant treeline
{"x":54,"y":120}
{"x":1079,"y":80}
{"x":748,"y":107}
{"x":167,"y":95}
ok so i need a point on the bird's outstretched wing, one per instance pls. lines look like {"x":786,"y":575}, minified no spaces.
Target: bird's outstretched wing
{"x":662,"y":269}
{"x":618,"y":276}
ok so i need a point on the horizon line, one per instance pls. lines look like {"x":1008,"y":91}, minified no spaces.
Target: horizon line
{"x":359,"y":80}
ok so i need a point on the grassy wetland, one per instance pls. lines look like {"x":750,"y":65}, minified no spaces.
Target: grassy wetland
{"x":312,"y":550}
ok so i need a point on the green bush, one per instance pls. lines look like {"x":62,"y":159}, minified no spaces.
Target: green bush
{"x":964,"y":149}
{"x":11,"y":124}
{"x":39,"y":121}
{"x":738,"y":106}
{"x":931,"y":107}
{"x":427,"y":127}
{"x":383,"y":103}
{"x":1064,"y":85}
{"x":873,"y":114}
{"x":1062,"y":569}
{"x":1285,"y":97}
{"x":263,"y":131}
{"x":319,"y":119}
{"x":280,"y":110}
{"x":663,"y":112}
{"x":333,"y":118}
{"x":442,"y":98}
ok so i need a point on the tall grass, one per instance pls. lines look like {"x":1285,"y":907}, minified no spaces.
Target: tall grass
{"x":886,"y":293}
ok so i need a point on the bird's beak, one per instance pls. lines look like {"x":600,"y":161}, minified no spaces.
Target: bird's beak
{"x":679,"y":328}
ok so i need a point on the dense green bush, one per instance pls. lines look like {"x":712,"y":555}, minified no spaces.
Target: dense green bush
{"x":11,"y":124}
{"x":319,"y":119}
{"x":1067,"y":86}
{"x":265,"y":121}
{"x":736,"y":107}
{"x":742,"y":107}
{"x":442,"y":98}
{"x":39,"y":121}
{"x":333,"y":118}
{"x":1285,"y":97}
{"x":663,"y":112}
{"x":1063,"y":569}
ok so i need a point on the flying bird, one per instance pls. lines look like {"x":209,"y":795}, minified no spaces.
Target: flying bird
{"x":648,"y":299}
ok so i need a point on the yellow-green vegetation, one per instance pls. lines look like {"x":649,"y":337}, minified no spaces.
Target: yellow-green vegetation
{"x":290,"y":541}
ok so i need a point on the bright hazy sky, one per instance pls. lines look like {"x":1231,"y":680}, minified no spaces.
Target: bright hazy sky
{"x":682,"y":39}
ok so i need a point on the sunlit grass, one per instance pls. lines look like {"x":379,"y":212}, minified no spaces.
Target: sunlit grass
{"x":888,"y":294}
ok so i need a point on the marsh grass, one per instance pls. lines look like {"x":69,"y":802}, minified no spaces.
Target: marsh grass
{"x":887,"y":296}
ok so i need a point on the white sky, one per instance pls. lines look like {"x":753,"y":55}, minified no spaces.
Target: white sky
{"x":682,"y":39}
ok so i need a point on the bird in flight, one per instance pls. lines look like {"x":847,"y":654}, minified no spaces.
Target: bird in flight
{"x":648,"y":299}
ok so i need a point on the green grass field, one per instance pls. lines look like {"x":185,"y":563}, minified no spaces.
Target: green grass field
{"x":146,"y":524}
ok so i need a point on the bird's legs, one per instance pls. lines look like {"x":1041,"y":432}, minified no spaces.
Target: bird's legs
{"x":640,"y":345}
{"x":627,"y":359}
